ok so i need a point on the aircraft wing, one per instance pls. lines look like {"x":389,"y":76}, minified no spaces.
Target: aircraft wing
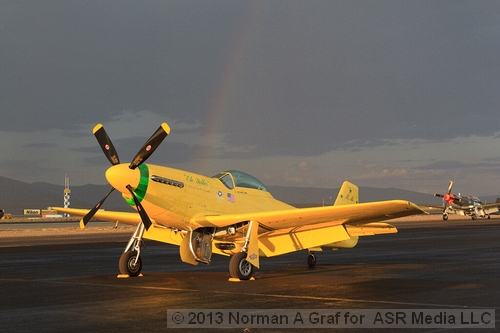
{"x":285,"y":231}
{"x":441,"y":207}
{"x":491,"y":206}
{"x":318,"y":217}
{"x":132,"y":218}
{"x":303,"y":218}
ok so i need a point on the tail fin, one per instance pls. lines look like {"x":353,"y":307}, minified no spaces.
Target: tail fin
{"x":348,"y":194}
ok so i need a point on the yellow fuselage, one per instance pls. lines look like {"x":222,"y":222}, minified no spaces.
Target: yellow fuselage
{"x":176,"y":198}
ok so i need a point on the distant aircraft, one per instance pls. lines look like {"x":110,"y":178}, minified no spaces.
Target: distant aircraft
{"x":231,"y":214}
{"x":470,"y":205}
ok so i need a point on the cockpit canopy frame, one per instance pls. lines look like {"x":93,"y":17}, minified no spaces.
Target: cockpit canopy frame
{"x":235,"y":178}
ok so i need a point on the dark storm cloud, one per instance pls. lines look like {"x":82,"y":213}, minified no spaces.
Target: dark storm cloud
{"x":376,"y":70}
{"x":65,"y":62}
{"x":40,"y":145}
{"x":308,"y":76}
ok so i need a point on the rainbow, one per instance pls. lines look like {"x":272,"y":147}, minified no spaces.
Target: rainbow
{"x":222,"y":101}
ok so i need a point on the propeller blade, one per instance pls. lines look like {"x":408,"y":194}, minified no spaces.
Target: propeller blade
{"x":144,"y":216}
{"x":150,"y":146}
{"x":106,"y":145}
{"x":450,"y":186}
{"x":91,"y":213}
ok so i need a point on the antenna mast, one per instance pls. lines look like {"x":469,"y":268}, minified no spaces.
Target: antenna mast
{"x":67,"y":192}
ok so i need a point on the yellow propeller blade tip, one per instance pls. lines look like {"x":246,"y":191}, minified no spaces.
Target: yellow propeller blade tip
{"x":82,"y":225}
{"x":165,"y":127}
{"x":96,"y":128}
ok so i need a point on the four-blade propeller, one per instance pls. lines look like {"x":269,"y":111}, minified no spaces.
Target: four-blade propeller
{"x":142,"y":155}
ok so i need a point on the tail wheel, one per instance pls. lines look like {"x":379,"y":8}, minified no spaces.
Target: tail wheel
{"x":239,"y":267}
{"x":311,"y":260}
{"x":128,"y":265}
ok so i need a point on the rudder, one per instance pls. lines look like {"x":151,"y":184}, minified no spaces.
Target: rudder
{"x":348,"y":194}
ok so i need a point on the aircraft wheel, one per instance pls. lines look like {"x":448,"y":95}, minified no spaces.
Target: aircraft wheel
{"x":489,"y":216}
{"x":239,"y":267}
{"x":474,"y":216}
{"x":445,"y":217}
{"x":311,"y":260}
{"x":127,"y":266}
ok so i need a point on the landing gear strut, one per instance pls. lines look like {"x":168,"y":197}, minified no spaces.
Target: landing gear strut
{"x":130,"y":261}
{"x":239,"y":266}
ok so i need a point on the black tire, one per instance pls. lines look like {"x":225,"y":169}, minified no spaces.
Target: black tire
{"x":445,"y":217}
{"x":239,"y":267}
{"x":127,"y":266}
{"x":311,"y":260}
{"x":474,"y":216}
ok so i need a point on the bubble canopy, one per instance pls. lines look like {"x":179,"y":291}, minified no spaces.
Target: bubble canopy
{"x":234,"y":178}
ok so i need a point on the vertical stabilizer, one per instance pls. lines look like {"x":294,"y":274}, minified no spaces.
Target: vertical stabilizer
{"x":348,"y":194}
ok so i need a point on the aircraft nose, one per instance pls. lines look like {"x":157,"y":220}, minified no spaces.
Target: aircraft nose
{"x":119,"y":176}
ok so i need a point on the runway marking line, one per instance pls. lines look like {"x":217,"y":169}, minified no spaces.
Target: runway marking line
{"x":338,"y":299}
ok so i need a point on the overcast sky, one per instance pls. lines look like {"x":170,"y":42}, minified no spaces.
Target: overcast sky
{"x":402,"y":94}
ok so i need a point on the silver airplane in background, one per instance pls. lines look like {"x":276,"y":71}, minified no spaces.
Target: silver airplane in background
{"x":465,"y":205}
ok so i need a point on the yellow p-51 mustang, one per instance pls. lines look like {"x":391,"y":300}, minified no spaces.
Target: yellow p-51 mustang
{"x":231,"y":213}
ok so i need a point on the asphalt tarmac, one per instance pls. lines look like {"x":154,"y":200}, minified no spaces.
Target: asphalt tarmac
{"x":59,"y":283}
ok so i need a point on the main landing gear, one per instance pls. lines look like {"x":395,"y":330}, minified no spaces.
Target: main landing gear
{"x":239,"y":267}
{"x":475,"y":216}
{"x":130,"y":261}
